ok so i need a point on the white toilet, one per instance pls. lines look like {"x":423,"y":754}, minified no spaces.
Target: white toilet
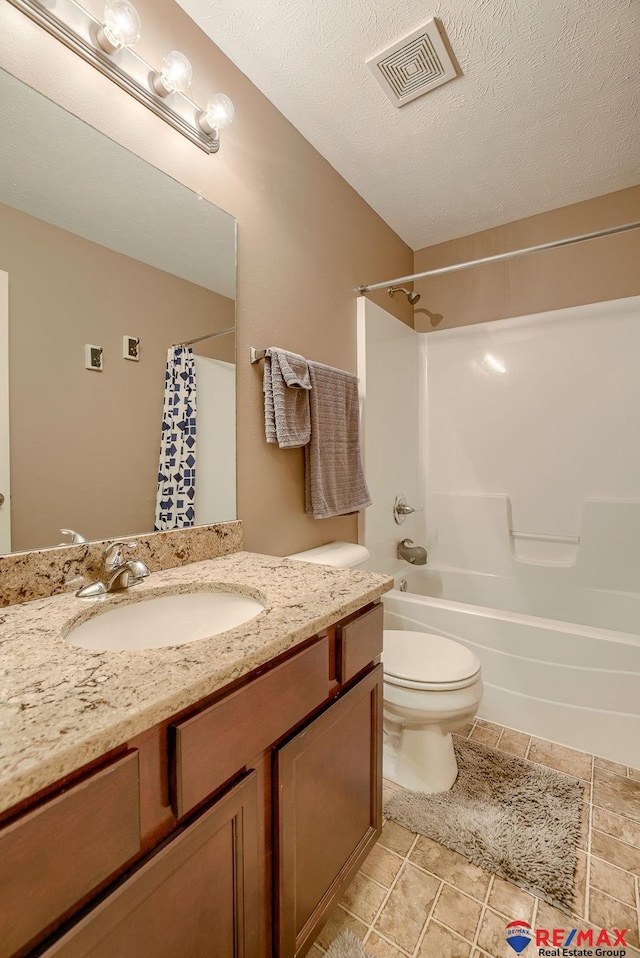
{"x":432,"y":687}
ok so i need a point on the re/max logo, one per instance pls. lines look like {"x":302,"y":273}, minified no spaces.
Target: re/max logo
{"x":562,"y":938}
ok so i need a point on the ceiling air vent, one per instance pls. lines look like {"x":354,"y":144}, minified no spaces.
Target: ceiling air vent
{"x":415,"y":65}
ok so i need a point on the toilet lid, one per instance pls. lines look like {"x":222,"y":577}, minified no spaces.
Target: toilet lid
{"x":424,"y":657}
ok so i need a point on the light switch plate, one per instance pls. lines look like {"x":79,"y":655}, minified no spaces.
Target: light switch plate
{"x":93,"y":358}
{"x":131,"y":348}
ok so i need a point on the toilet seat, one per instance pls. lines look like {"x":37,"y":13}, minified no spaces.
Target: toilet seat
{"x":428,"y":662}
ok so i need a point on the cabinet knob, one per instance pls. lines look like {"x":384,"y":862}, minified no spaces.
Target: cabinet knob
{"x":1,"y":499}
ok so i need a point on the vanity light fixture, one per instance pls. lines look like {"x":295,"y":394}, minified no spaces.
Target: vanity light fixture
{"x":107,"y":45}
{"x":219,"y":112}
{"x":175,"y":76}
{"x":120,"y":28}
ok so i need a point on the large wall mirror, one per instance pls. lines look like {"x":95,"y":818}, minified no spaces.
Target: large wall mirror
{"x":97,"y":245}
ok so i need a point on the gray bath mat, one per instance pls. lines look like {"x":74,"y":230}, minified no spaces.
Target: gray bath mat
{"x":518,"y":820}
{"x":346,"y":945}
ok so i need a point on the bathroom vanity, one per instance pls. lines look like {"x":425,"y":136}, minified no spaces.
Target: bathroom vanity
{"x":242,"y":787}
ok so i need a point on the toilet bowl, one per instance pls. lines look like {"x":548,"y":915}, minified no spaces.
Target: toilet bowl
{"x":432,"y":687}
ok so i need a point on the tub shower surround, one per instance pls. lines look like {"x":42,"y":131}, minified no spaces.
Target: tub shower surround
{"x":532,"y":539}
{"x":25,"y":576}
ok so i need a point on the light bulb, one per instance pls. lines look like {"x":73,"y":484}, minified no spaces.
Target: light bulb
{"x":121,"y":26}
{"x":219,"y":112}
{"x":176,"y":74}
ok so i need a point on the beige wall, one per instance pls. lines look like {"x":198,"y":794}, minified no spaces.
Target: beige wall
{"x":602,"y":269}
{"x":306,"y":240}
{"x":84,"y":445}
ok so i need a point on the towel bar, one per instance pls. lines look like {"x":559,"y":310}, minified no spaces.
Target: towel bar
{"x":256,"y":354}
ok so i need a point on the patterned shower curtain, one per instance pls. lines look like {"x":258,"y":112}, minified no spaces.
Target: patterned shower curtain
{"x":177,"y":470}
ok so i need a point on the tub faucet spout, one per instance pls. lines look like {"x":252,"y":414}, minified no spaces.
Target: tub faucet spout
{"x":416,"y":555}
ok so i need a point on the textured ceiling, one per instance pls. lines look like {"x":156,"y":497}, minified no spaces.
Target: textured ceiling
{"x":55,"y":167}
{"x":545,"y":114}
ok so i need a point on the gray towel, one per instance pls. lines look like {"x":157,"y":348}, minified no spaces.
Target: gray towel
{"x":286,"y":386}
{"x":334,"y":478}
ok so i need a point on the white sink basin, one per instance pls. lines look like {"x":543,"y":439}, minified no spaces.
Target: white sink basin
{"x":164,"y":620}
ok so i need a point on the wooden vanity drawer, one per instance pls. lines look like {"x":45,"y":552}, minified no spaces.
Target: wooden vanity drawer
{"x":212,"y":746}
{"x":358,"y":643}
{"x":56,"y":854}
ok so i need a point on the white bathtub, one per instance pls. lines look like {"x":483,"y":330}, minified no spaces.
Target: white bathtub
{"x":576,"y":684}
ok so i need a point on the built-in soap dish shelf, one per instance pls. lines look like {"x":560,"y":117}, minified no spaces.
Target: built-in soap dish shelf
{"x":545,"y":550}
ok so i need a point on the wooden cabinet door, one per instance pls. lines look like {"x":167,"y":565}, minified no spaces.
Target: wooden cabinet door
{"x":194,"y":898}
{"x":328,"y":811}
{"x":56,"y":854}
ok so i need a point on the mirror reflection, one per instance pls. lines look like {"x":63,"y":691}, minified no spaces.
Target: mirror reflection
{"x":110,"y":424}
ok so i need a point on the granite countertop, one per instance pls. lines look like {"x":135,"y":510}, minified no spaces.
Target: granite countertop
{"x":62,"y":706}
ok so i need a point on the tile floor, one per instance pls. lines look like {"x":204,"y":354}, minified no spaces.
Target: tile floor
{"x":415,"y":898}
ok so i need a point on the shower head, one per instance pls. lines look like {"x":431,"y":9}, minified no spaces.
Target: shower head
{"x":412,"y":297}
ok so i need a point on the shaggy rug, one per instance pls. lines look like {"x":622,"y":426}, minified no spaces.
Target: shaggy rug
{"x":346,"y":945}
{"x":518,"y":820}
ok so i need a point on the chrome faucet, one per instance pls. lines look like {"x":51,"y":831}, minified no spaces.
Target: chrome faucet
{"x":402,"y":509}
{"x":117,"y":572}
{"x":75,"y":539}
{"x":416,"y":555}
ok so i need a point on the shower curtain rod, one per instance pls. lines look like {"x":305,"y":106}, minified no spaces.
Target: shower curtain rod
{"x":199,"y":339}
{"x":502,"y":256}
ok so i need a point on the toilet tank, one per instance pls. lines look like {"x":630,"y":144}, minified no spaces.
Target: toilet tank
{"x":343,"y":555}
